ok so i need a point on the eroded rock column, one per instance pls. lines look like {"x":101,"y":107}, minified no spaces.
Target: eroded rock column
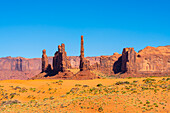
{"x":82,"y":54}
{"x":84,"y":63}
{"x":44,"y":61}
{"x":60,"y":60}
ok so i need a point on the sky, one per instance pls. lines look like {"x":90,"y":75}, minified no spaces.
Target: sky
{"x":29,"y":26}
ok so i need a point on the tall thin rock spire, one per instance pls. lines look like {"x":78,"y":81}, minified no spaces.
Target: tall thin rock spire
{"x":82,"y":47}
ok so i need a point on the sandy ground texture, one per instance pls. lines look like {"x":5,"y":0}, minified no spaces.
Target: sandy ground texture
{"x":130,"y":95}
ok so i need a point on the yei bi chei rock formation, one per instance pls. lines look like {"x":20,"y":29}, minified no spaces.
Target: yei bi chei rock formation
{"x":61,"y":64}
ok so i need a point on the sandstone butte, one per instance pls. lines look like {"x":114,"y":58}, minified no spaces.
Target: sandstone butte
{"x":150,"y":61}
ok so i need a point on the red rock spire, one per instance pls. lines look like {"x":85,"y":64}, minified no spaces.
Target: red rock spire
{"x":82,"y":47}
{"x":44,"y":61}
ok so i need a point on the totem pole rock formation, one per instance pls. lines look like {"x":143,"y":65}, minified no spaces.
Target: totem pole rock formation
{"x":84,"y":72}
{"x":84,"y":63}
{"x":129,"y":60}
{"x":82,"y":54}
{"x":44,"y":61}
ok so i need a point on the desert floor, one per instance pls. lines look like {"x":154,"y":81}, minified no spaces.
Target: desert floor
{"x":130,"y":95}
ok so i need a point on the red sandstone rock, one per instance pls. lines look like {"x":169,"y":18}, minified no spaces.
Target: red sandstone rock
{"x":60,"y":60}
{"x":60,"y":66}
{"x":20,"y":64}
{"x":150,"y":61}
{"x":110,"y":64}
{"x":154,"y":60}
{"x":128,"y":60}
{"x":31,"y":67}
{"x":84,"y":73}
{"x":84,"y":63}
{"x":75,"y":61}
{"x":44,"y":61}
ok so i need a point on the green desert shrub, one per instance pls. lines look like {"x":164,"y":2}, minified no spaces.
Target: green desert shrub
{"x":100,"y":109}
{"x":99,"y":85}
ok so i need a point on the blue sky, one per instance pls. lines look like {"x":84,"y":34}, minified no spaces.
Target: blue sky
{"x":29,"y":26}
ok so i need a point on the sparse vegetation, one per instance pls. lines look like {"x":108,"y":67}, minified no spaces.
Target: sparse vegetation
{"x":141,"y":94}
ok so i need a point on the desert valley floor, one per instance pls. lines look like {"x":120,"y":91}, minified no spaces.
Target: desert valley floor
{"x":106,"y":95}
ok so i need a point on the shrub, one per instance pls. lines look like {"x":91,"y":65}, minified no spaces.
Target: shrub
{"x":123,"y":92}
{"x":74,"y":90}
{"x":60,"y":81}
{"x":77,"y":84}
{"x":99,"y":85}
{"x":51,"y":98}
{"x":67,"y":93}
{"x":10,"y":102}
{"x":100,"y":109}
{"x":49,"y":89}
{"x":149,"y":80}
{"x":147,"y":102}
{"x":167,"y":79}
{"x":135,"y":81}
{"x":85,"y":86}
{"x":45,"y":99}
{"x":134,"y":92}
{"x":12,"y":95}
{"x":33,"y":89}
{"x":23,"y":90}
{"x":120,"y":83}
{"x":127,"y":87}
{"x":155,"y":104}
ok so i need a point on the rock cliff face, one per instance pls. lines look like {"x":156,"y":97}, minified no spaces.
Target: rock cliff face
{"x":19,"y":67}
{"x":149,"y":61}
{"x":20,"y":64}
{"x":75,"y":60}
{"x":152,"y":59}
{"x":31,"y":64}
{"x":110,"y":64}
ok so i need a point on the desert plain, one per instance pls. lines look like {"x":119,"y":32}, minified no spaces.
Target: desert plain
{"x":117,"y":95}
